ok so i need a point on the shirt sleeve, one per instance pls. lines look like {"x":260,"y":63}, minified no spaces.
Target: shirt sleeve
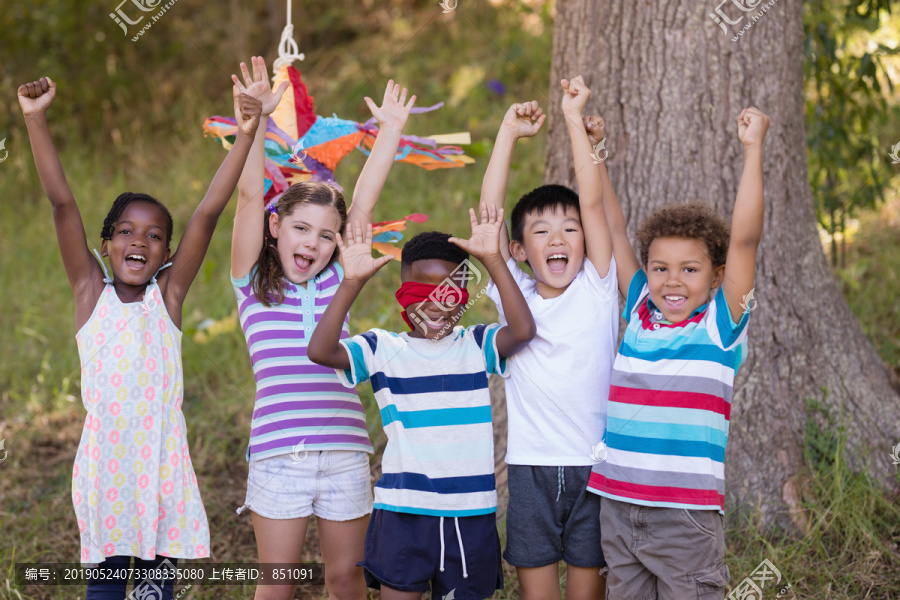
{"x":361,"y":352}
{"x":244,"y":281}
{"x":607,"y":286}
{"x":637,"y":289}
{"x":486,"y":338}
{"x":722,"y":327}
{"x":521,"y":278}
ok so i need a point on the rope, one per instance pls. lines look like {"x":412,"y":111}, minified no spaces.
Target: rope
{"x":288,"y":51}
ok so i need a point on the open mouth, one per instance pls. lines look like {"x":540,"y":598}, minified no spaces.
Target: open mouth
{"x":675,"y":302}
{"x":437,"y":324}
{"x":557,"y":263}
{"x":303,"y":262}
{"x":135,"y":261}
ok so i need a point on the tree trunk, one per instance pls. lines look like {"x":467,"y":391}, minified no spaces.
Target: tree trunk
{"x":671,"y":83}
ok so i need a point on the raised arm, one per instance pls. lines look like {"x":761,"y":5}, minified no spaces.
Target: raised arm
{"x":590,"y":185}
{"x":391,"y":117}
{"x":627,"y":263}
{"x":83,"y":271}
{"x":249,"y":216}
{"x":521,"y":120}
{"x":747,"y":218}
{"x":324,"y":346}
{"x":484,"y":245}
{"x":192,"y":249}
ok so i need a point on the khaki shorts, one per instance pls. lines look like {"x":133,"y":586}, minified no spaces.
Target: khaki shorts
{"x":662,"y":553}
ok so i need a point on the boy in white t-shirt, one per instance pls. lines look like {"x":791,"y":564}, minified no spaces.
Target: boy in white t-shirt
{"x":557,"y":390}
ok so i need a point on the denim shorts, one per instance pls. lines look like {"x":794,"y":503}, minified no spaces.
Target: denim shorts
{"x":552,"y":517}
{"x":331,"y":484}
{"x":663,"y":552}
{"x":453,"y":557}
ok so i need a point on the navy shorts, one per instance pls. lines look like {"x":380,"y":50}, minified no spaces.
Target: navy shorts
{"x":405,"y":552}
{"x":552,"y":517}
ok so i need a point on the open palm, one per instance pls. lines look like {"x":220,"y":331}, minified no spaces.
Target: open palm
{"x":394,"y":109}
{"x":356,"y":253}
{"x":485,"y":238}
{"x":257,"y":85}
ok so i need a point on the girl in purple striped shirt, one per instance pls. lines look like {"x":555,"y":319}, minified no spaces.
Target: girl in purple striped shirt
{"x":309,"y":444}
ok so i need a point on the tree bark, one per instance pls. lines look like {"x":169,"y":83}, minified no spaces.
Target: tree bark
{"x":670,"y":84}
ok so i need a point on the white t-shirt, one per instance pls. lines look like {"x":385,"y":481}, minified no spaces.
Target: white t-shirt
{"x":558,"y":386}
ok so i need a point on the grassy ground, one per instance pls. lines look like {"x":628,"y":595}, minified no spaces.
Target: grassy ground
{"x":849,"y":551}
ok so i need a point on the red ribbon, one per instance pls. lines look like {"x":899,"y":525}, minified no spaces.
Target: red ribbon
{"x":412,"y":292}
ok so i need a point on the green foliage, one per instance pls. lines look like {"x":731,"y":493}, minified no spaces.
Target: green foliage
{"x":850,"y":102}
{"x":871,"y":281}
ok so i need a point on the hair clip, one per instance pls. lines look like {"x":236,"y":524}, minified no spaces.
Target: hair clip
{"x":272,"y":209}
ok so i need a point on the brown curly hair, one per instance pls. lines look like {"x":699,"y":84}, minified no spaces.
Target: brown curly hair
{"x":692,"y":221}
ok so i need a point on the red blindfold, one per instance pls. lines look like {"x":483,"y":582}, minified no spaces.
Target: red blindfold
{"x":411,"y":292}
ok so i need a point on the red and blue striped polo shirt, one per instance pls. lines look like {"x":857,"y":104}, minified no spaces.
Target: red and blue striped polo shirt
{"x":670,"y":404}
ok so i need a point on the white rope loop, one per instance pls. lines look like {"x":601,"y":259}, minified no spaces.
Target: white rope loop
{"x":288,"y":51}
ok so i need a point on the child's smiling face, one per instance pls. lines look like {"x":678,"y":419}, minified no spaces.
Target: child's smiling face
{"x":680,"y":276}
{"x":138,"y":247}
{"x":437,"y":318}
{"x":306,"y":240}
{"x":553,"y":244}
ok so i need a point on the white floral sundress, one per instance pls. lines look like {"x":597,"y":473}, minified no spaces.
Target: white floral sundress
{"x":133,"y":485}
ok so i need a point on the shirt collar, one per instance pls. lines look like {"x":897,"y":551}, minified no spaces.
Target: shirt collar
{"x":657,"y":316}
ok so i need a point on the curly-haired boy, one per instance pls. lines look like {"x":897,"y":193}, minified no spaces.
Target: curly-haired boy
{"x":663,"y":481}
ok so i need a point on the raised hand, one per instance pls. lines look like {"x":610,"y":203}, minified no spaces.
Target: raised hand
{"x":250,"y":110}
{"x":394,"y":109}
{"x":524,"y":120}
{"x":595,"y":127}
{"x":37,"y":96}
{"x":575,"y":95}
{"x":258,"y":86}
{"x":752,"y":127}
{"x":356,"y":255}
{"x":485,"y":240}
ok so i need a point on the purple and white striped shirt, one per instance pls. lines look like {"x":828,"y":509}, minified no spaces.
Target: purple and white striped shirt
{"x":296,"y":399}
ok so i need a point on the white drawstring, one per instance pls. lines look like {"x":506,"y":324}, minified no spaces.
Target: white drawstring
{"x":560,"y":482}
{"x":462,"y":552}
{"x":442,"y":544}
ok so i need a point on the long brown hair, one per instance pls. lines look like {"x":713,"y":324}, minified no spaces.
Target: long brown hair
{"x":268,"y":281}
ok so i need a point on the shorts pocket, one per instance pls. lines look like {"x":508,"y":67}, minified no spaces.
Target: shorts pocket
{"x":702,"y":520}
{"x":711,"y":583}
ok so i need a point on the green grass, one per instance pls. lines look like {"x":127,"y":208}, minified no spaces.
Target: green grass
{"x":871,"y":280}
{"x":850,"y":549}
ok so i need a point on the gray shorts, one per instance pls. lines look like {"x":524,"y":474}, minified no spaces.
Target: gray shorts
{"x":552,"y":517}
{"x":665,"y":553}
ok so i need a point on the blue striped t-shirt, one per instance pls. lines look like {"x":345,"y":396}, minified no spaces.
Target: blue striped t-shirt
{"x":297,"y":401}
{"x":436,"y":412}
